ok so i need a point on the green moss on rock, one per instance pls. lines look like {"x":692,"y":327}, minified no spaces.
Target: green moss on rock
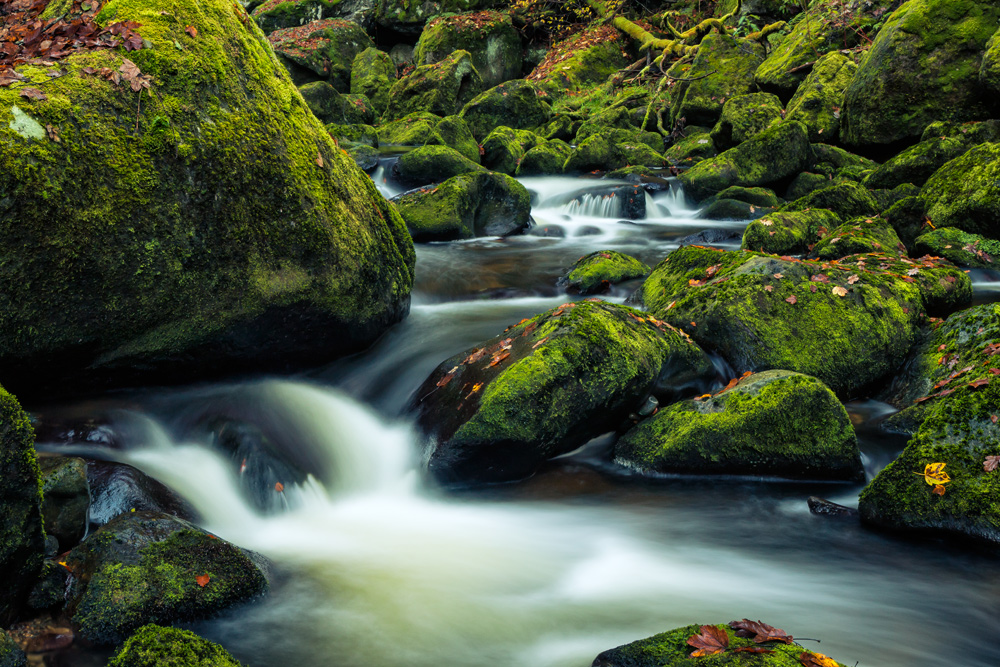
{"x":513,"y":104}
{"x":693,"y":148}
{"x":545,"y":158}
{"x":330,"y":107}
{"x":558,"y":379}
{"x":847,"y":199}
{"x":11,"y":654}
{"x":327,"y":48}
{"x":409,"y":16}
{"x":908,"y":217}
{"x":726,"y":66}
{"x":861,"y":235}
{"x":788,"y":232}
{"x":819,"y":98}
{"x":960,"y":248}
{"x":454,"y":132}
{"x":273,"y":15}
{"x":989,"y":70}
{"x":372,"y":75}
{"x":488,"y":36}
{"x":760,"y":197}
{"x":599,"y":270}
{"x":504,"y":148}
{"x":915,"y":164}
{"x":745,"y":116}
{"x":156,"y":646}
{"x":413,"y":129}
{"x":580,"y":61}
{"x":433,"y":164}
{"x":441,"y":89}
{"x":775,"y":423}
{"x":354,"y":134}
{"x":965,"y":193}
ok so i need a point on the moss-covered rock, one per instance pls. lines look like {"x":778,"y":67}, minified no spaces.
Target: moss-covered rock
{"x":670,"y":649}
{"x":745,"y":116}
{"x":960,"y":248}
{"x":11,"y":654}
{"x":330,"y":107}
{"x":514,"y":104}
{"x":805,"y":183}
{"x":372,"y":75}
{"x":441,"y":89}
{"x":989,"y":70}
{"x":815,"y":319}
{"x":454,"y":132}
{"x":693,"y":148}
{"x":759,"y":197}
{"x":327,"y":48}
{"x":726,"y":66}
{"x":465,"y":206}
{"x":496,"y":412}
{"x":22,"y":542}
{"x":504,"y":148}
{"x":908,"y":217}
{"x":888,"y":198}
{"x":788,"y":232}
{"x":847,"y":199}
{"x":409,"y":16}
{"x":364,"y":156}
{"x":915,"y":164}
{"x":432,"y":164}
{"x":545,"y":158}
{"x":413,"y":129}
{"x":156,"y":646}
{"x":965,"y":193}
{"x":580,"y":61}
{"x":488,"y":36}
{"x":354,"y":134}
{"x":273,"y":15}
{"x":731,"y":209}
{"x":773,"y":156}
{"x":614,"y":149}
{"x":829,"y":160}
{"x":227,"y":232}
{"x":922,"y":67}
{"x":819,"y":98}
{"x":560,"y":126}
{"x":858,"y":236}
{"x":972,"y":133}
{"x":774,"y":423}
{"x":598,"y":271}
{"x":66,"y":497}
{"x":144,"y":567}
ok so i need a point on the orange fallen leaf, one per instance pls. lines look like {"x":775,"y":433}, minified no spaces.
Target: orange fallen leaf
{"x":711,"y":640}
{"x":191,"y":30}
{"x":938,"y":490}
{"x":811,"y":659}
{"x":202,"y":580}
{"x":279,"y":487}
{"x":759,"y":631}
{"x":792,"y":300}
{"x":447,"y":378}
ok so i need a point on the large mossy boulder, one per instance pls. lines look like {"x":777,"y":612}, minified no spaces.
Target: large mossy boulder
{"x":965,"y":193}
{"x":332,"y":108}
{"x":859,"y":236}
{"x":847,"y":325}
{"x":413,"y":129}
{"x":504,"y":148}
{"x":454,"y":132}
{"x":156,"y":646}
{"x":960,"y":248}
{"x":915,"y":164}
{"x":788,"y":232}
{"x":774,"y":424}
{"x":670,"y":649}
{"x":372,"y":75}
{"x":326,"y":48}
{"x":410,"y":16}
{"x":614,"y":149}
{"x":22,"y":543}
{"x":818,"y":100}
{"x":229,"y":232}
{"x":767,"y":159}
{"x":746,"y":116}
{"x":432,"y":164}
{"x":545,"y":158}
{"x":466,"y":206}
{"x":147,"y":567}
{"x":599,"y":270}
{"x":579,"y":62}
{"x":441,"y":89}
{"x":276,"y":14}
{"x":488,"y":36}
{"x":514,"y":104}
{"x":922,"y":67}
{"x":694,"y":147}
{"x":496,"y":412}
{"x":722,"y":69}
{"x":847,"y":199}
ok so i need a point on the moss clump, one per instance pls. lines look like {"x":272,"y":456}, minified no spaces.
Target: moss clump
{"x":513,"y":104}
{"x":273,"y":15}
{"x":613,"y":149}
{"x":965,"y":193}
{"x":414,"y":129}
{"x":599,"y":270}
{"x":745,"y":116}
{"x":805,"y":183}
{"x":156,"y":646}
{"x":922,"y":67}
{"x":372,"y":75}
{"x":858,"y":236}
{"x":828,"y":160}
{"x":489,"y":36}
{"x":989,"y":70}
{"x":760,"y":197}
{"x":354,"y":134}
{"x":727,"y":65}
{"x":144,"y":567}
{"x":818,"y":99}
{"x":546,"y":385}
{"x":731,"y":209}
{"x":545,"y":158}
{"x":473,"y":204}
{"x":148,"y":253}
{"x":774,"y":423}
{"x":772,"y":156}
{"x":788,"y":233}
{"x":441,"y":89}
{"x":327,"y":48}
{"x":577,"y":63}
{"x":22,"y":542}
{"x":846,"y":199}
{"x":11,"y":654}
{"x":504,"y":148}
{"x":693,"y":148}
{"x":433,"y":164}
{"x":670,"y":649}
{"x":722,"y":300}
{"x":960,"y":248}
{"x":409,"y":16}
{"x":915,"y":164}
{"x":958,"y":431}
{"x":330,"y":107}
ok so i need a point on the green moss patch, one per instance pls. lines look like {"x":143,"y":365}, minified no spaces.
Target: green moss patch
{"x":156,"y":646}
{"x":599,"y":270}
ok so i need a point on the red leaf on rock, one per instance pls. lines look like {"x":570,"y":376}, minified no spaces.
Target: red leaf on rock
{"x":752,"y":649}
{"x":447,"y":378}
{"x":33,"y":94}
{"x":759,"y":631}
{"x":792,"y":300}
{"x":203,"y":580}
{"x":991,"y":463}
{"x":711,"y":640}
{"x":191,"y":30}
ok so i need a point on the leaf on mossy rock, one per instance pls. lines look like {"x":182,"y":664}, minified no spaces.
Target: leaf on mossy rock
{"x":810,"y":659}
{"x":711,"y":640}
{"x":991,"y":463}
{"x":759,"y":631}
{"x":935,"y":475}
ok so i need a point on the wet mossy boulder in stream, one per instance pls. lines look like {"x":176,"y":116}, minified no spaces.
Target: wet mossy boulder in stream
{"x":147,"y":567}
{"x":965,"y":193}
{"x":788,"y":232}
{"x":409,"y":16}
{"x":848,"y":324}
{"x":915,"y":164}
{"x":466,"y":206}
{"x":614,"y":149}
{"x":545,"y":158}
{"x":960,"y":248}
{"x":66,"y":498}
{"x":670,"y":649}
{"x":22,"y":542}
{"x":372,"y":75}
{"x":746,"y":116}
{"x":722,"y":69}
{"x":773,"y":424}
{"x":441,"y":89}
{"x":504,"y":148}
{"x":432,"y":164}
{"x":598,"y":271}
{"x":156,"y":646}
{"x":818,"y":101}
{"x":846,"y":199}
{"x":228,"y":233}
{"x":513,"y":104}
{"x":276,"y":14}
{"x":330,"y":107}
{"x":546,"y":385}
{"x":859,"y":236}
{"x":11,"y":654}
{"x":488,"y":36}
{"x":923,"y":66}
{"x":769,"y":158}
{"x":325,"y":48}
{"x":413,"y":129}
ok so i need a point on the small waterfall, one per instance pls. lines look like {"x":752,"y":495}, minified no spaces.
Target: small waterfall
{"x":595,"y":206}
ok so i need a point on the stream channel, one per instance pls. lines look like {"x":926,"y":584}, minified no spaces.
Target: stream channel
{"x":376,"y":567}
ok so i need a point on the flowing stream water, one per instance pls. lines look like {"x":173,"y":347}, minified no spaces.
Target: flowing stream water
{"x":376,"y":567}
